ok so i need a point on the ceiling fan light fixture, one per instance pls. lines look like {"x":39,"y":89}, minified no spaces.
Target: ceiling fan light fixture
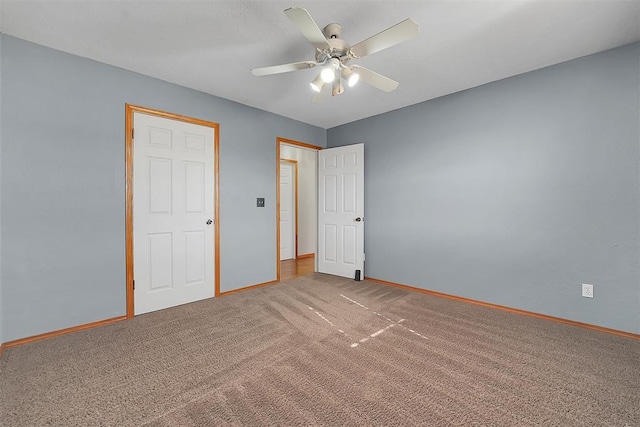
{"x":328,"y":74}
{"x":317,"y":83}
{"x":353,"y":79}
{"x":351,"y":76}
{"x":330,"y":70}
{"x":331,"y":54}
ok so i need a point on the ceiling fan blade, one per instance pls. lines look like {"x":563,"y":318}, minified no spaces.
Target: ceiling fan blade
{"x":376,"y":80}
{"x":284,"y":68}
{"x":398,"y":33}
{"x":308,"y":27}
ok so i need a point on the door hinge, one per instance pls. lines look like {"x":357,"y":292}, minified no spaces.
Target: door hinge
{"x":134,"y":285}
{"x":132,"y":133}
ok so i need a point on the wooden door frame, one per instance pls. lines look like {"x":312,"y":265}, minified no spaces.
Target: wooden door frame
{"x":279,"y":142}
{"x":129,"y":112}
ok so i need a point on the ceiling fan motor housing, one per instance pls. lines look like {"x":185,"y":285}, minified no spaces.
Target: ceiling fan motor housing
{"x":332,"y":31}
{"x":339,"y":48}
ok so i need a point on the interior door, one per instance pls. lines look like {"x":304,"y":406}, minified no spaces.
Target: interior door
{"x":287,"y":210}
{"x":341,"y":211}
{"x":173,"y":193}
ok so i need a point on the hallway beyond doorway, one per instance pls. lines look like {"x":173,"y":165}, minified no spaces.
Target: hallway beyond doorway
{"x":296,"y":267}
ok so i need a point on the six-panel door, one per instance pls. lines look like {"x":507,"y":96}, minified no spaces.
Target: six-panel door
{"x":341,"y":210}
{"x":173,"y":232}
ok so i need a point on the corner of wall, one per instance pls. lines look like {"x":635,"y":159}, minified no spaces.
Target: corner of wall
{"x":518,"y":174}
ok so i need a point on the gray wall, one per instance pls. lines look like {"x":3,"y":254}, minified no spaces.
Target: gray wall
{"x":63,"y":185}
{"x":515,"y":192}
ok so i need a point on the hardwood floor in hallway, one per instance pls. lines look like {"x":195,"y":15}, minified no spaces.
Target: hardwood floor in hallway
{"x":296,"y":267}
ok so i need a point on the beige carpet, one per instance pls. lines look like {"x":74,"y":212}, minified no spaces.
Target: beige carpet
{"x":321,"y":350}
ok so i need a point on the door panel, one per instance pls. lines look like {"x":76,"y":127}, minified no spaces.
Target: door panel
{"x":194,"y":187}
{"x":195,"y":250}
{"x":330,"y":193}
{"x":341,"y":210}
{"x":159,"y":185}
{"x":173,"y":191}
{"x":287,"y":211}
{"x":160,"y":260}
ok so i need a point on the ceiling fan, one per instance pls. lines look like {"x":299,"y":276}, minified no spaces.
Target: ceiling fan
{"x":333,"y":54}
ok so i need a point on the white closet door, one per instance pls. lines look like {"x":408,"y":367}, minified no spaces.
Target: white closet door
{"x":173,"y":232}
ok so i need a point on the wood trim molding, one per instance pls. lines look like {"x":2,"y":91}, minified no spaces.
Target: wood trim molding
{"x":248,"y":288}
{"x":311,"y":255}
{"x":216,"y":201}
{"x":129,"y":111}
{"x":296,"y":203}
{"x":298,"y":143}
{"x":60,"y":332}
{"x":277,"y":209}
{"x":128,"y":119}
{"x":172,"y":116}
{"x":509,"y":309}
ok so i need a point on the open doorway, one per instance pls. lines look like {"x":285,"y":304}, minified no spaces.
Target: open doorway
{"x":305,"y":156}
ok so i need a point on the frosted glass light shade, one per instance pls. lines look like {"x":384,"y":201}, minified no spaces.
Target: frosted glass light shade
{"x":328,"y":74}
{"x":353,"y":79}
{"x":317,"y":83}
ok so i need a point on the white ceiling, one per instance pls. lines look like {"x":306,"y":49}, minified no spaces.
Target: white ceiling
{"x":210,"y":46}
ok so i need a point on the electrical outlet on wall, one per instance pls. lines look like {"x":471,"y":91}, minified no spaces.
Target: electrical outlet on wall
{"x":587,"y":290}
